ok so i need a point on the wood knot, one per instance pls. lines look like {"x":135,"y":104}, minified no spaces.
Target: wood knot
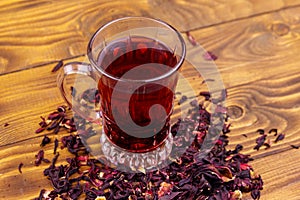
{"x":234,"y":112}
{"x":280,"y":29}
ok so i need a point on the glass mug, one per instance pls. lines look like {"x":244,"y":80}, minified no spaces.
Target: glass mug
{"x":134,"y":62}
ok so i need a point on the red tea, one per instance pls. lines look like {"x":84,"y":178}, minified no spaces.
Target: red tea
{"x":136,"y":62}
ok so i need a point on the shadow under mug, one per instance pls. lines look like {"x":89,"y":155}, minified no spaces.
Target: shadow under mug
{"x":134,"y":62}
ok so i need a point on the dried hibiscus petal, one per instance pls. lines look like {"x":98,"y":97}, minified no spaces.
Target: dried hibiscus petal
{"x":57,"y":66}
{"x":55,"y":145}
{"x":208,"y":80}
{"x":260,"y":131}
{"x":39,"y":130}
{"x":255,"y":194}
{"x":182,"y":99}
{"x":273,"y":130}
{"x":41,"y":195}
{"x":279,"y":137}
{"x":191,"y":39}
{"x":226,"y":128}
{"x":39,"y":157}
{"x":221,"y":174}
{"x":206,"y":95}
{"x":260,"y":141}
{"x":295,"y":146}
{"x":209,"y":56}
{"x":46,"y":140}
{"x":73,"y":91}
{"x":20,"y":167}
{"x":267,"y":144}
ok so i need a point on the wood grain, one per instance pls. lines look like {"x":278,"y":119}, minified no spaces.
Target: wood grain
{"x":257,"y":82}
{"x":281,"y":175}
{"x":280,"y":172}
{"x":260,"y":69}
{"x":258,"y":59}
{"x":40,"y":96}
{"x":26,"y":185}
{"x":38,"y":32}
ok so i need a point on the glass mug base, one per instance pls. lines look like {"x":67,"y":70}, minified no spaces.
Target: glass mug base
{"x":146,"y":161}
{"x":135,"y":143}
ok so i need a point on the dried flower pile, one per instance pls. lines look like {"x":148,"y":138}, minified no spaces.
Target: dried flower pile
{"x":222,"y":174}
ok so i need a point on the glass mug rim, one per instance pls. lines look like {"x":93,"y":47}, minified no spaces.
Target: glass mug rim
{"x":165,"y":75}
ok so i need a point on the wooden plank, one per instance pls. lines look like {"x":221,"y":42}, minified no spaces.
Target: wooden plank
{"x":26,"y":96}
{"x":280,"y":171}
{"x":38,"y":32}
{"x":26,"y":185}
{"x":259,"y":85}
{"x":259,"y":62}
{"x":281,"y":175}
{"x":259,"y":102}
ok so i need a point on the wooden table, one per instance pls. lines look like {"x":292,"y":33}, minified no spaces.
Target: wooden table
{"x":257,"y":44}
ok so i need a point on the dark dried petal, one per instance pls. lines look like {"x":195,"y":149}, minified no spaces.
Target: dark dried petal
{"x":191,"y":39}
{"x":46,"y":160}
{"x":244,"y":135}
{"x":54,"y":160}
{"x":226,"y":128}
{"x":56,"y":129}
{"x":75,"y":192}
{"x":208,"y":80}
{"x":279,"y":137}
{"x":53,"y":195}
{"x":260,"y":141}
{"x":6,"y":124}
{"x":194,"y":103}
{"x":274,"y":130}
{"x":170,"y":196}
{"x":57,"y":66}
{"x":39,"y":130}
{"x":20,"y":167}
{"x":294,"y":146}
{"x":184,"y":181}
{"x":43,"y":124}
{"x":53,"y":125}
{"x":91,"y":95}
{"x":46,"y":140}
{"x":73,"y":91}
{"x":41,"y":195}
{"x":97,"y":97}
{"x":209,"y":56}
{"x":39,"y":157}
{"x":221,"y":109}
{"x":206,"y":95}
{"x":55,"y":145}
{"x":61,"y":109}
{"x":255,"y":194}
{"x":260,"y":131}
{"x":238,"y":148}
{"x":54,"y":115}
{"x":222,"y":97}
{"x":182,"y":99}
{"x":267,"y":144}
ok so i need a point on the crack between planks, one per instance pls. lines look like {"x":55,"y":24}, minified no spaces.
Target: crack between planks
{"x":190,"y":30}
{"x":30,"y":138}
{"x":42,"y":64}
{"x":241,"y":18}
{"x":267,"y":153}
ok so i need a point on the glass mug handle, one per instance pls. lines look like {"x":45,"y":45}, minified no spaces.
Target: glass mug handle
{"x":80,"y":68}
